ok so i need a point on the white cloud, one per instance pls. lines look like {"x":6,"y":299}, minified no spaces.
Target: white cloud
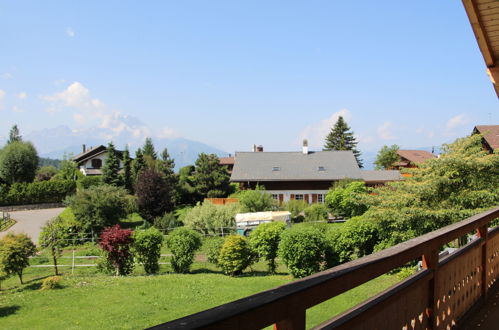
{"x":456,"y":121}
{"x":70,"y":32}
{"x":167,"y":133}
{"x":22,"y":95}
{"x":2,"y":94}
{"x":384,"y":131}
{"x":317,"y":132}
{"x":6,"y":75}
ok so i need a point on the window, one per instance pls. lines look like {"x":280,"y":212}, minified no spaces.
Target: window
{"x":96,"y":163}
{"x":321,"y":169}
{"x":299,"y":197}
{"x":320,"y":198}
{"x":276,"y":168}
{"x":275,"y":196}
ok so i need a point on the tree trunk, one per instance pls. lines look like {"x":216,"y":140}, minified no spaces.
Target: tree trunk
{"x":20,"y":274}
{"x":54,"y":257}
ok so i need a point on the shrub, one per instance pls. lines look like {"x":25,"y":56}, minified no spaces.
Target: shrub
{"x":256,"y":201}
{"x":86,"y":182}
{"x":15,"y":250}
{"x":209,"y":218}
{"x":18,"y":162}
{"x":265,"y":240}
{"x":343,"y":200}
{"x":147,"y":248}
{"x":235,"y":255}
{"x":167,"y":222}
{"x":295,"y":207}
{"x":52,"y":237}
{"x":183,"y":243}
{"x":154,"y":195}
{"x":302,"y":249}
{"x":53,"y":191}
{"x":116,"y":242}
{"x":52,"y":282}
{"x":213,"y":245}
{"x":99,"y":206}
{"x":45,"y":173}
{"x":316,"y":212}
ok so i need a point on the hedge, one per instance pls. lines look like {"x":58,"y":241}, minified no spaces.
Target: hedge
{"x":53,"y":191}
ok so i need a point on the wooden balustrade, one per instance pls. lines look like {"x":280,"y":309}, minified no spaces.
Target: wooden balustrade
{"x":434,"y":298}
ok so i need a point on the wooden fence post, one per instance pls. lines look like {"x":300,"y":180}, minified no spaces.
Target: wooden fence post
{"x":482,"y":232}
{"x":430,"y":261}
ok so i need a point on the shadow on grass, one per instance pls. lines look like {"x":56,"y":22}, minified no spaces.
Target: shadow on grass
{"x":206,"y":271}
{"x":8,"y":310}
{"x":253,"y":273}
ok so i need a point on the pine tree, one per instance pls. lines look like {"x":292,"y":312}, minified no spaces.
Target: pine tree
{"x":148,"y":149}
{"x":138,"y":165}
{"x":127,"y":171}
{"x":210,"y":179}
{"x":111,"y":168}
{"x":14,"y":135}
{"x":341,"y":138}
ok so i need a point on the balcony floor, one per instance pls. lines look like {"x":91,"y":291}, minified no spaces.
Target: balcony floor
{"x":487,"y":316}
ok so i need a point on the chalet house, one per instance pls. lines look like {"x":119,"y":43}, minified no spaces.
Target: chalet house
{"x":227,"y":162}
{"x":411,"y":158}
{"x":490,"y":140}
{"x":302,"y":175}
{"x":91,"y":160}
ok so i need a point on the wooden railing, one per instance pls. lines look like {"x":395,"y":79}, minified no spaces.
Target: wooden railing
{"x":434,"y":298}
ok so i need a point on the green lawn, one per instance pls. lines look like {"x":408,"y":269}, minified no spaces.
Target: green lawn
{"x":90,"y":300}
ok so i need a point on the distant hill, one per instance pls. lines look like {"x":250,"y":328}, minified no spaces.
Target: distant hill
{"x":42,"y":161}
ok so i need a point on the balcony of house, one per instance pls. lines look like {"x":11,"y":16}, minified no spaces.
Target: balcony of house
{"x":444,"y":294}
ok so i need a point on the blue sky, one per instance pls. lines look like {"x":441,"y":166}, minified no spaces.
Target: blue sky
{"x":234,"y":73}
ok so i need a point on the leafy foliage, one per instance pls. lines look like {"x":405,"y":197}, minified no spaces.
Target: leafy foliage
{"x":53,"y":191}
{"x":167,"y":221}
{"x":210,"y":179}
{"x":68,"y":170}
{"x":14,"y":135}
{"x":45,"y":173}
{"x":15,"y":250}
{"x":51,"y":283}
{"x":147,"y":247}
{"x":111,"y":168}
{"x":296,"y":207}
{"x":302,"y":249}
{"x":212,"y":246}
{"x":386,"y":157}
{"x":53,"y":237}
{"x":265,"y":240}
{"x":183,"y":243}
{"x":345,"y":200}
{"x":256,"y":201}
{"x":138,"y":165}
{"x":186,"y":192}
{"x":86,"y":182}
{"x":116,"y":243}
{"x":154,"y":194}
{"x":209,"y":218}
{"x":341,"y":138}
{"x":99,"y":206}
{"x":316,"y":212}
{"x":126,"y":177}
{"x":18,"y":162}
{"x":235,"y":255}
{"x":148,"y":149}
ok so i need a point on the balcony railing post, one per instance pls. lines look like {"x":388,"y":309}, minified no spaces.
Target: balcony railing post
{"x":430,"y":261}
{"x":296,"y":321}
{"x":482,"y":232}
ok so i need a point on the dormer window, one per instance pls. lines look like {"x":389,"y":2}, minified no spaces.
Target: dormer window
{"x":321,"y":169}
{"x":96,"y":163}
{"x":276,"y":168}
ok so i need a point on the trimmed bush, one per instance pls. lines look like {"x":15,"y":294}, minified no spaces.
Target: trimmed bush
{"x":316,"y":212}
{"x":213,"y":245}
{"x":183,"y":243}
{"x":167,"y":222}
{"x":256,"y":201}
{"x":302,"y":249}
{"x":89,"y":181}
{"x":52,"y":282}
{"x":235,"y":255}
{"x":53,"y":191}
{"x":116,"y":242}
{"x":209,"y":218}
{"x":296,"y":207}
{"x":147,"y":247}
{"x":15,"y":250}
{"x":265,"y":240}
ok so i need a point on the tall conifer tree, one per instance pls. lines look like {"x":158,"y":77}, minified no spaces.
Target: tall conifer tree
{"x":111,"y":168}
{"x":148,"y":149}
{"x":138,"y":165}
{"x":341,"y":138}
{"x":127,"y":170}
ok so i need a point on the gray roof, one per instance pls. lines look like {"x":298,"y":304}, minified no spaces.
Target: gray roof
{"x":295,"y":166}
{"x":381,"y":176}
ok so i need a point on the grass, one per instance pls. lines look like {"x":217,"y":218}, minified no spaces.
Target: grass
{"x":92,"y":300}
{"x":7,"y":224}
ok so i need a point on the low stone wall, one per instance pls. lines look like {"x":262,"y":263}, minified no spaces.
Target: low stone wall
{"x":14,"y":208}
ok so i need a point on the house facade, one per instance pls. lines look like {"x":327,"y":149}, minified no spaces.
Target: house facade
{"x":302,"y":175}
{"x":91,"y":161}
{"x":411,"y":158}
{"x":490,"y":139}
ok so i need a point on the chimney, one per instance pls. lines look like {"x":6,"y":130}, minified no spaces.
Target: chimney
{"x":254,"y":148}
{"x":84,"y":148}
{"x":305,"y":147}
{"x":259,"y":148}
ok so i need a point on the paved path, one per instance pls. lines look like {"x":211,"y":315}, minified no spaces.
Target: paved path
{"x":30,"y":222}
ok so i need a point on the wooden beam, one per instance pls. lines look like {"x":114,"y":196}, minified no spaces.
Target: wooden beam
{"x":478,"y":29}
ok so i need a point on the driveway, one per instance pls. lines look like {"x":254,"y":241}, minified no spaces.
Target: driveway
{"x":31,"y":222}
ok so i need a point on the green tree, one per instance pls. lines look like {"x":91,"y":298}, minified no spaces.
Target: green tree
{"x":386,"y":157}
{"x":236,"y":255}
{"x":343,"y":200}
{"x":127,"y":171}
{"x":186,"y":191}
{"x":147,"y":247}
{"x":149,"y":153}
{"x":52,"y":237}
{"x":210,"y":179}
{"x":45,"y":173}
{"x":256,"y":201}
{"x":68,"y":169}
{"x":265,"y":240}
{"x":209,"y":218}
{"x":341,"y":138}
{"x":15,"y":251}
{"x":14,"y":135}
{"x":155,"y":195}
{"x":316,"y":212}
{"x":138,"y":165}
{"x":18,"y":162}
{"x":111,"y":168}
{"x":183,"y":243}
{"x":166,"y":166}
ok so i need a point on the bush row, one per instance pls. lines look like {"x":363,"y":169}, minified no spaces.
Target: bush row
{"x":53,"y":191}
